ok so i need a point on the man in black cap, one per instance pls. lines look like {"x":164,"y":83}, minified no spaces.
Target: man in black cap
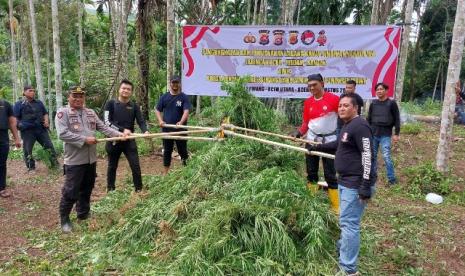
{"x":33,"y":123}
{"x":120,"y":114}
{"x":7,"y":121}
{"x":76,"y":127}
{"x":175,"y":107}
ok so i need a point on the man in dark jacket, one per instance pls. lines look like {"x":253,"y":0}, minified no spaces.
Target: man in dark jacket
{"x":356,"y":180}
{"x":7,"y":121}
{"x":120,"y":115}
{"x":33,"y":123}
{"x":383,"y":115}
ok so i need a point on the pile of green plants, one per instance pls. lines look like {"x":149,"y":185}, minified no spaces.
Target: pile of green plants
{"x":237,"y":208}
{"x":425,"y":178}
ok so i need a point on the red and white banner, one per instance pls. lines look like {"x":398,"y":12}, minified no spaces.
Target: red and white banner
{"x":279,"y":58}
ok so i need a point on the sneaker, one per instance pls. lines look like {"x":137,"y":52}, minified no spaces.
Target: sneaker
{"x":392,"y":183}
{"x":67,"y":227}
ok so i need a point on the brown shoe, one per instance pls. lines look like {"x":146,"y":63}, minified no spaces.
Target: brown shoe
{"x":5,"y":194}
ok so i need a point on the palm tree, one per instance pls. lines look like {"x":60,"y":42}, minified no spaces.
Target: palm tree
{"x":14,"y":65}
{"x":453,"y":74}
{"x":57,"y":54}
{"x":35,"y":51}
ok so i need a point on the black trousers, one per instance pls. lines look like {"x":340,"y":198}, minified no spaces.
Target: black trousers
{"x":313,"y":163}
{"x":79,"y":182}
{"x":168,"y":145}
{"x":4,"y":149}
{"x":30,"y":136}
{"x":129,"y":148}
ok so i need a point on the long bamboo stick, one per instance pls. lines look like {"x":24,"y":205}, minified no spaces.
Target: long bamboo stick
{"x":155,"y":135}
{"x":189,"y":127}
{"x":317,"y":153}
{"x":194,"y":138}
{"x":183,"y":126}
{"x":233,"y":127}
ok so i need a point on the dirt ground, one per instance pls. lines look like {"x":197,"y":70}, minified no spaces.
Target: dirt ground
{"x":35,"y":196}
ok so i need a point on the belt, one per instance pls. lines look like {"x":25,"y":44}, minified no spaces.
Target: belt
{"x":323,"y":136}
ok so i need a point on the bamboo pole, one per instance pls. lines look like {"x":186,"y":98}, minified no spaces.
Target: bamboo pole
{"x":317,"y":153}
{"x":233,"y":127}
{"x":194,"y":138}
{"x":190,"y":127}
{"x":183,"y":126}
{"x":155,"y":135}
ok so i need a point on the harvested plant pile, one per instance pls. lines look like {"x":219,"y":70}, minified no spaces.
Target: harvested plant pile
{"x":238,"y":208}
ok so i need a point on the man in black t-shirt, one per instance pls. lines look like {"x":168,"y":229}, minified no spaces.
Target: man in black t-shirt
{"x":120,"y":114}
{"x":7,"y":121}
{"x":383,"y":115}
{"x":353,"y":162}
{"x":175,"y":107}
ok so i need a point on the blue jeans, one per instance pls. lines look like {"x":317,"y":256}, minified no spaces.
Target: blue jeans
{"x":385,"y":143}
{"x":351,"y":211}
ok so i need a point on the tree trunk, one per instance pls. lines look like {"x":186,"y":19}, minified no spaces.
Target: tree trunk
{"x":49,"y":79}
{"x":404,"y":50}
{"x":125,"y":9}
{"x":255,"y":13}
{"x":57,"y":54}
{"x":453,"y":74}
{"x":14,"y":65}
{"x":374,"y":12}
{"x":170,"y":32}
{"x":35,"y":51}
{"x":82,"y":60}
{"x":143,"y":24}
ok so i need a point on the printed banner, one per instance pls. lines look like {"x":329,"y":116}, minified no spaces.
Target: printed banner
{"x":279,"y":58}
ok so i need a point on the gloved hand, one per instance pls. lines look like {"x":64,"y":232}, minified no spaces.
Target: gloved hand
{"x":295,"y":134}
{"x":364,"y":192}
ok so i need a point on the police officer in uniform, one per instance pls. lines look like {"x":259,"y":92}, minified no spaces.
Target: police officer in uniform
{"x":120,"y":115}
{"x":33,"y":123}
{"x":76,"y":127}
{"x":7,"y":121}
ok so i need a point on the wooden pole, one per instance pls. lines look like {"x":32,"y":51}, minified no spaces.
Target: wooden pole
{"x":194,"y":138}
{"x":233,"y":127}
{"x":190,"y":127}
{"x":317,"y":153}
{"x":154,"y":135}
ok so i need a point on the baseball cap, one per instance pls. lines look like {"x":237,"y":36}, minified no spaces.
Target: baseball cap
{"x":175,"y":79}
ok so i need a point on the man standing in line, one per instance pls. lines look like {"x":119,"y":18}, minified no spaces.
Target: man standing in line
{"x":319,"y":124}
{"x":353,"y":163}
{"x":76,"y":127}
{"x":7,"y":121}
{"x":120,"y":115}
{"x":383,"y":115}
{"x":350,"y":89}
{"x":33,"y":123}
{"x":175,"y":107}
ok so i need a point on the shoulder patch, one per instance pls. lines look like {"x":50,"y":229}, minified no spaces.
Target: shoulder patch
{"x":60,"y":115}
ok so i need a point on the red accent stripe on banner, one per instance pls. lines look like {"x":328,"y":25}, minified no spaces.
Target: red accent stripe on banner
{"x":188,"y":31}
{"x":389,"y":78}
